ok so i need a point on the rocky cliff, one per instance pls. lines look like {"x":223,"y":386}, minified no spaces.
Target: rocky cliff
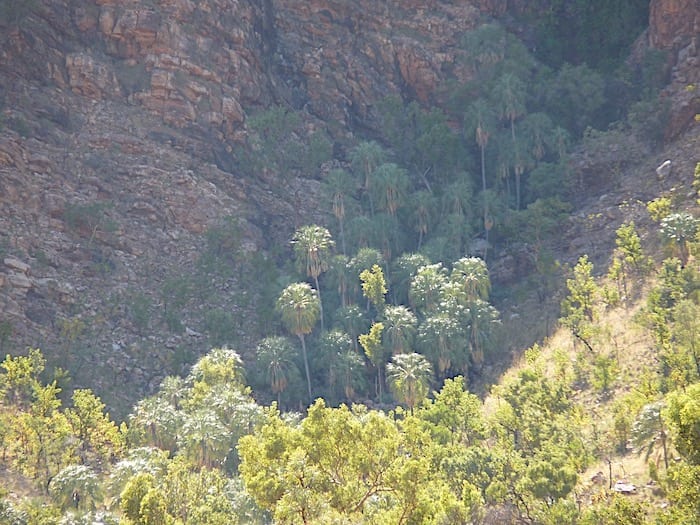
{"x":121,"y":123}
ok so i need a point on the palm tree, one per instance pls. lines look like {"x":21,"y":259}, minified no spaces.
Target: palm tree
{"x":538,"y":128}
{"x":482,"y":319}
{"x":204,"y":438}
{"x":365,"y":159}
{"x":363,"y":260}
{"x":480,"y":121}
{"x":174,"y":390}
{"x":559,"y":141}
{"x":348,"y":368}
{"x":276,"y":356}
{"x":473,"y":275}
{"x":486,"y":44}
{"x":400,"y":328}
{"x":403,"y":269}
{"x":361,"y":231}
{"x":424,"y":292}
{"x":340,"y":188}
{"x":510,"y":96}
{"x":388,"y":230}
{"x":681,"y":229}
{"x":300,"y":308}
{"x":443,"y":340}
{"x":354,"y":322}
{"x":312,"y":251}
{"x":75,"y":486}
{"x":649,"y":429}
{"x":423,"y":204}
{"x":343,"y":362}
{"x":157,"y":420}
{"x":409,"y":377}
{"x":341,"y":276}
{"x":391,"y":187}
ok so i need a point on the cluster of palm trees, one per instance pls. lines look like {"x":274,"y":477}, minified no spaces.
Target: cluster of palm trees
{"x":435,"y":324}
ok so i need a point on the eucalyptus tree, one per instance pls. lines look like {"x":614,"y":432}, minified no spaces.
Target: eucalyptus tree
{"x":312,"y":250}
{"x":300,"y":308}
{"x":220,"y":366}
{"x":276,"y":356}
{"x":400,"y":328}
{"x":374,"y":287}
{"x":98,"y":438}
{"x":682,"y":414}
{"x":424,"y":292}
{"x":409,"y":377}
{"x":376,"y":352}
{"x":575,"y":97}
{"x":346,"y":465}
{"x":340,"y":189}
{"x":578,"y":307}
{"x":686,"y":331}
{"x":457,"y":410}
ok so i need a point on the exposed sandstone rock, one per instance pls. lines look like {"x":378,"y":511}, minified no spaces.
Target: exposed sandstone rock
{"x":20,"y":281}
{"x":673,"y":22}
{"x":15,"y":264}
{"x":89,"y":78}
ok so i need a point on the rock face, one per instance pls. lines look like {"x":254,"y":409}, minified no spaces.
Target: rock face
{"x":118,"y":154}
{"x":674,"y":26}
{"x":121,"y":120}
{"x":673,"y":22}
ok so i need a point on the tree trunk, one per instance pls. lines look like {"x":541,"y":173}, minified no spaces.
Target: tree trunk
{"x":306,"y":364}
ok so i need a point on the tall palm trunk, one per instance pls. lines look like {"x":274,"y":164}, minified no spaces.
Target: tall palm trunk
{"x":320,"y":302}
{"x":306,"y":364}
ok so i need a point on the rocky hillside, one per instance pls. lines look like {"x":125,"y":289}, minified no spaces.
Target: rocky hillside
{"x":119,"y":151}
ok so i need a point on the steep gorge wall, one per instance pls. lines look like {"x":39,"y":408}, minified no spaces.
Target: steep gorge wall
{"x":139,"y":107}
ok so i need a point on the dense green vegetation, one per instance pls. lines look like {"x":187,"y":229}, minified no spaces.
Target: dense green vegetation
{"x":354,"y":406}
{"x":203,"y":450}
